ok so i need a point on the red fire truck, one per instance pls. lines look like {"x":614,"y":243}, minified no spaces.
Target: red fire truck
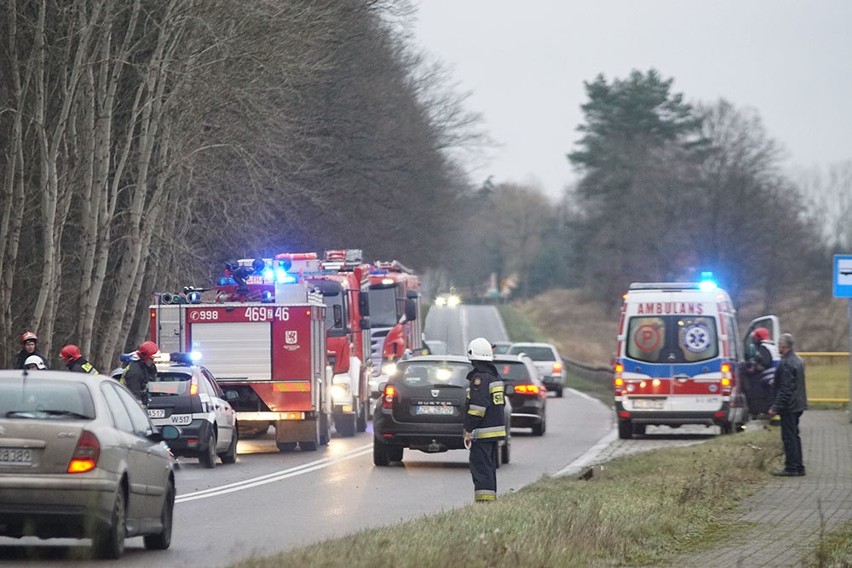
{"x":394,"y":318}
{"x":271,"y":354}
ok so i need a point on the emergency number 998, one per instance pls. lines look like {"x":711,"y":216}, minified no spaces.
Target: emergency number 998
{"x":257,"y":313}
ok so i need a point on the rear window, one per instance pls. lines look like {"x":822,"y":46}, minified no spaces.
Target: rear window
{"x":433,"y":374}
{"x":45,"y":399}
{"x":167,"y":383}
{"x":513,"y":371}
{"x":534,"y":353}
{"x":672,"y":339}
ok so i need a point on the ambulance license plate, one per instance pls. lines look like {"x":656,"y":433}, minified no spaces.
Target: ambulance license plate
{"x":648,"y":403}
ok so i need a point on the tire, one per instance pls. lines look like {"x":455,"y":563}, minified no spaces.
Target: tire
{"x":394,"y":453}
{"x":559,"y":393}
{"x":324,"y":435}
{"x":538,"y":429}
{"x":163,"y":539}
{"x":361,"y":424}
{"x":308,"y":446}
{"x":380,"y":454}
{"x":639,"y":429}
{"x":108,"y":541}
{"x":230,"y":455}
{"x":207,"y":457}
{"x":286,"y":446}
{"x":625,"y":430}
{"x":345,"y":424}
{"x":727,"y":428}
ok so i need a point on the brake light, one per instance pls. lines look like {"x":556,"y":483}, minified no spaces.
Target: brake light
{"x":527,"y":389}
{"x":387,"y":397}
{"x":86,"y":454}
{"x":193,"y":386}
{"x":557,"y":368}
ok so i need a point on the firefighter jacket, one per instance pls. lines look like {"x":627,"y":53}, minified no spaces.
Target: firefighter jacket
{"x":136,"y":377}
{"x":790,"y":393}
{"x":23,"y":354}
{"x":485,"y":405}
{"x":82,"y":366}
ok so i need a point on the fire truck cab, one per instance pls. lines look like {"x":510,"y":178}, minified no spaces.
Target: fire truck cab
{"x":678,"y":359}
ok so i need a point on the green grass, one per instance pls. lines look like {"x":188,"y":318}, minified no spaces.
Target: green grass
{"x":629,"y":515}
{"x":834,"y":549}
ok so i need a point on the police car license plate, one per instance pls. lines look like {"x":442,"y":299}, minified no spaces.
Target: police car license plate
{"x":156,"y":413}
{"x":434,"y":410}
{"x":181,"y":419}
{"x":647,"y":403}
{"x":15,"y":456}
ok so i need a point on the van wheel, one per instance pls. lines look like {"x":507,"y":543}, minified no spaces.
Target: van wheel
{"x":625,"y":430}
{"x":394,"y":453}
{"x":380,"y":453}
{"x":361,"y":424}
{"x":639,"y":429}
{"x":559,"y":393}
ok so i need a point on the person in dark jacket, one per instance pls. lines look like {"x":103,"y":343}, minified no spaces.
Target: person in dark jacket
{"x":75,"y":362}
{"x":29,"y":347}
{"x":759,"y":372}
{"x":791,"y":400}
{"x":141,"y":370}
{"x":484,"y":421}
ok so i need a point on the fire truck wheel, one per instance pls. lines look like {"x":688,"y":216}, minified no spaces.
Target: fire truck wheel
{"x":345,"y":424}
{"x":207,"y":457}
{"x":625,"y":430}
{"x":324,"y":437}
{"x":286,"y":446}
{"x":380,"y":453}
{"x":308,"y":446}
{"x":362,"y":417}
{"x":230,"y":455}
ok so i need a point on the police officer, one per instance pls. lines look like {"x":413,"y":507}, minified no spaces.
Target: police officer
{"x":29,"y":347}
{"x":484,"y":421}
{"x":75,"y":362}
{"x":140,"y":371}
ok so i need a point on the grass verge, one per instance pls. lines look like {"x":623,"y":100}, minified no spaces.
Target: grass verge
{"x":629,"y":515}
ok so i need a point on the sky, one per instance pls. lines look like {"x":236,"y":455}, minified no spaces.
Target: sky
{"x":524,"y":64}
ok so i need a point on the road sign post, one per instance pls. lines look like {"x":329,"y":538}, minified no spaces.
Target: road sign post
{"x":843,"y":289}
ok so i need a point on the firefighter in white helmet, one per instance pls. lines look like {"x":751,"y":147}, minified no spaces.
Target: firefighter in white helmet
{"x":484,"y":421}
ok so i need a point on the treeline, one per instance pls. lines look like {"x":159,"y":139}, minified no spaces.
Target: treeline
{"x":145,"y":143}
{"x":667,"y":190}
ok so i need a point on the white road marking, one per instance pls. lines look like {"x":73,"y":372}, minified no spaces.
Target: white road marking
{"x":274,"y":476}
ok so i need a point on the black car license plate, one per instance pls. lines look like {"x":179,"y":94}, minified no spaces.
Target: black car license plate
{"x":422,"y":410}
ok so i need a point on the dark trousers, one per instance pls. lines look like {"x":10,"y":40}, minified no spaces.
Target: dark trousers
{"x":483,"y":470}
{"x":792,"y":441}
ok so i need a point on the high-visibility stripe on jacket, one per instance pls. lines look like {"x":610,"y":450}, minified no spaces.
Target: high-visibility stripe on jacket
{"x":485,"y":403}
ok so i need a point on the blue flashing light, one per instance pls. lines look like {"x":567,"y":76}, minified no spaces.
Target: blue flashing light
{"x":707,"y":284}
{"x":194,"y":356}
{"x":379,"y":271}
{"x":283,"y":277}
{"x":225,"y":281}
{"x":268,"y":274}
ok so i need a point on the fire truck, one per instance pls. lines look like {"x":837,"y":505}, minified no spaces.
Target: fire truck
{"x":272,"y":354}
{"x":394,"y":318}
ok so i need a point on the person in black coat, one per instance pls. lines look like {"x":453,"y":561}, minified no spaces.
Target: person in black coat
{"x":29,"y":347}
{"x":791,"y":400}
{"x":141,"y":370}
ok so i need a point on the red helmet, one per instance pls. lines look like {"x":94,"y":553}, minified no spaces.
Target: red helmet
{"x":760,"y":334}
{"x":28,"y":336}
{"x":70,"y":353}
{"x":147,"y":350}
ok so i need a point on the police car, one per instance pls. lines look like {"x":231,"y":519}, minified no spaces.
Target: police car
{"x":186,"y":395}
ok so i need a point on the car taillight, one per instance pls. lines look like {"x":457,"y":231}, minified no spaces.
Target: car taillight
{"x":527,"y":389}
{"x":86,"y":454}
{"x":387,"y":397}
{"x":193,"y":386}
{"x":557,"y":368}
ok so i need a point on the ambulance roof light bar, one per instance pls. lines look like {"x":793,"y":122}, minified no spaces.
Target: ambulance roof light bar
{"x":665,"y":286}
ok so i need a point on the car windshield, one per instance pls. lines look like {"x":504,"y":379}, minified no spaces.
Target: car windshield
{"x":501,"y":348}
{"x":383,"y":307}
{"x":512,"y":371}
{"x":672,"y":339}
{"x":433,"y":374}
{"x":45,"y":399}
{"x":167,"y":383}
{"x":536,"y":353}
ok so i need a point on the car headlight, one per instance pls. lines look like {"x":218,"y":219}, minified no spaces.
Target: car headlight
{"x":389,"y":369}
{"x":440,"y":301}
{"x":453,"y":301}
{"x":340,"y":394}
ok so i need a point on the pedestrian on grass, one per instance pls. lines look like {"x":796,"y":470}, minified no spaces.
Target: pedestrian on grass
{"x":791,"y":400}
{"x":484,"y":421}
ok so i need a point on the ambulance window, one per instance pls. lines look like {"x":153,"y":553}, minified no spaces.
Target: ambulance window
{"x":672,"y":339}
{"x":646,"y":338}
{"x":698,"y":339}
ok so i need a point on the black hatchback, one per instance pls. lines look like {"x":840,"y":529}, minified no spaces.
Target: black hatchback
{"x":528,"y":393}
{"x":421,"y":407}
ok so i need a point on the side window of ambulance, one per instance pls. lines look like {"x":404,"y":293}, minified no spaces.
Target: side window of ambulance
{"x":646,"y":338}
{"x":698,"y":339}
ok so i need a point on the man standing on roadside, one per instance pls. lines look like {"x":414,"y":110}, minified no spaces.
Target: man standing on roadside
{"x":791,"y":400}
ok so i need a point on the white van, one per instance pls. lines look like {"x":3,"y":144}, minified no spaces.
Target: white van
{"x":678,"y":358}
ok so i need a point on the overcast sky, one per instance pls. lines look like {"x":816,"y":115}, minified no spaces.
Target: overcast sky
{"x":525,"y":62}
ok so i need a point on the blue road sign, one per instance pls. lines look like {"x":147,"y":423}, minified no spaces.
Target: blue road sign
{"x":843,"y":276}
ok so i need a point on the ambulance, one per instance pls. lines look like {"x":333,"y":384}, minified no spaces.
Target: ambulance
{"x":678,"y":358}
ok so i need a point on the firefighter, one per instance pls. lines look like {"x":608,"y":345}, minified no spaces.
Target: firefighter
{"x":34,"y":363}
{"x":759,"y":371}
{"x":140,"y":371}
{"x":75,"y":362}
{"x":484,"y":421}
{"x":29,"y":347}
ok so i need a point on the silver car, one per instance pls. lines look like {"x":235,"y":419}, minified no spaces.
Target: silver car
{"x":79,"y":458}
{"x":546,"y":359}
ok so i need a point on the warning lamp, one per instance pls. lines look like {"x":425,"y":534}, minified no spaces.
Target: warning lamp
{"x":707,"y":284}
{"x":194,"y":297}
{"x":266,"y":296}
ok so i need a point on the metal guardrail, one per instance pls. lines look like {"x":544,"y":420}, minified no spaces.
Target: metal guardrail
{"x":827,"y":375}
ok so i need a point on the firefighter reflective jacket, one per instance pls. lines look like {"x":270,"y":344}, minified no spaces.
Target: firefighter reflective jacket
{"x":485,"y":405}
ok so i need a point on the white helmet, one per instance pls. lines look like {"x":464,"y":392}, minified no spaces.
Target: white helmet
{"x":480,"y":350}
{"x":35,"y":360}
